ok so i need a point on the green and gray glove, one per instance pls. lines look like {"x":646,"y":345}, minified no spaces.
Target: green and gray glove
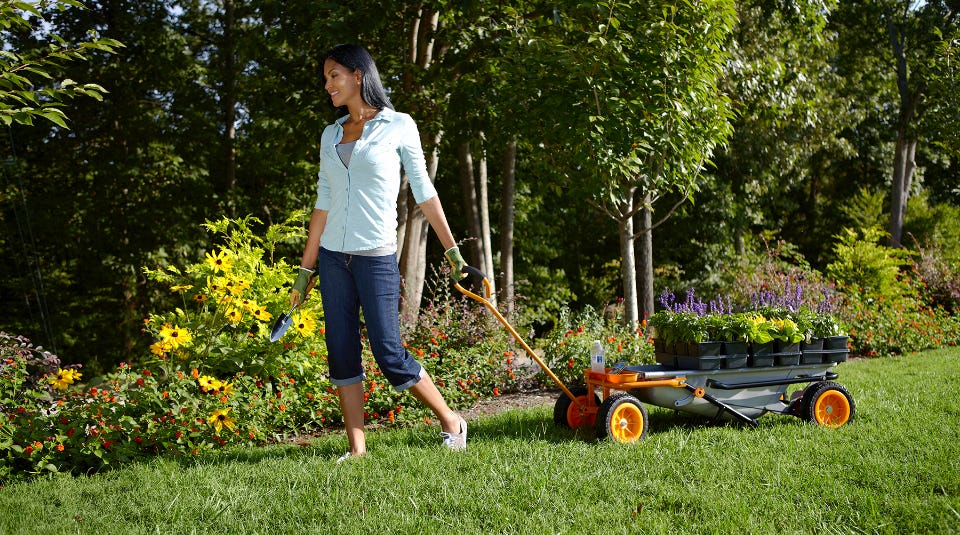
{"x":456,"y":263}
{"x":299,"y":291}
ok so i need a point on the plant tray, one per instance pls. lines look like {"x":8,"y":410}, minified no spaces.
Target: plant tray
{"x":699,"y":363}
{"x":825,"y":356}
{"x":762,"y":360}
{"x":787,"y":359}
{"x":668,"y":360}
{"x":734,"y":361}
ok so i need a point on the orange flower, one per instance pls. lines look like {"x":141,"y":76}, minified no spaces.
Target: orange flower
{"x":59,"y":447}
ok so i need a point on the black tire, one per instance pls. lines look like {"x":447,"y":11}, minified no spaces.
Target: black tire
{"x":828,"y":404}
{"x":565,"y":413}
{"x":622,"y":418}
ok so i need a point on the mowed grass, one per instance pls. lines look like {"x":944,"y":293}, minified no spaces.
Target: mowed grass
{"x":896,"y":469}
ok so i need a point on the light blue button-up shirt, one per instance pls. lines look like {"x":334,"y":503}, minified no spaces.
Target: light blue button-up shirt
{"x":361,"y":200}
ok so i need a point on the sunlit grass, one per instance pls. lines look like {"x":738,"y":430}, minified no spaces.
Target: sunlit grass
{"x":896,"y":469}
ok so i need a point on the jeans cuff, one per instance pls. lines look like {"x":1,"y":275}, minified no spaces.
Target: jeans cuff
{"x":408,"y":384}
{"x":348,"y":381}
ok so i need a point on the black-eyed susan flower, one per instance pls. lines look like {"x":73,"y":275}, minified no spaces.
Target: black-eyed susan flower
{"x":160,"y":347}
{"x":305,"y":324}
{"x":64,"y":378}
{"x":219,"y":262}
{"x":261,"y":313}
{"x":220,"y":419}
{"x":174,"y":336}
{"x":223,"y":388}
{"x":181,"y":287}
{"x":234,"y":315}
{"x":206,"y":382}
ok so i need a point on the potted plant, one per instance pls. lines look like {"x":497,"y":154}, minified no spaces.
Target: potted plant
{"x":762,"y":344}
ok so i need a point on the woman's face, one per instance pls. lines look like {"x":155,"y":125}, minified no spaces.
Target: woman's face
{"x":342,"y":84}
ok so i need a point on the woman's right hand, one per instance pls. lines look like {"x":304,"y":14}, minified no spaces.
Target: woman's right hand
{"x":301,"y":286}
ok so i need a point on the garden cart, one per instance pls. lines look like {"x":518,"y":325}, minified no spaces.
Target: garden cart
{"x":740,"y":387}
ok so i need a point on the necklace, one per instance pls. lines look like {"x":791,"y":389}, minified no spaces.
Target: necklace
{"x":363,"y":119}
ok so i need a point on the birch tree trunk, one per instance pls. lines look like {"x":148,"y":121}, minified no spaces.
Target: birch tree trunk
{"x":485,"y":223}
{"x":628,"y":270}
{"x":413,"y":253}
{"x":469,"y":189}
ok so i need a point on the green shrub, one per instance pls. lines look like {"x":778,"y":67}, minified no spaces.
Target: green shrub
{"x":566,"y":349}
{"x":230,"y":301}
{"x":864,"y":266}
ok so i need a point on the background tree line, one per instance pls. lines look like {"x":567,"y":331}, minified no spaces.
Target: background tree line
{"x":589,"y":152}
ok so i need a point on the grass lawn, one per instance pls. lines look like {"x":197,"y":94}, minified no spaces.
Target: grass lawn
{"x":895,"y":469}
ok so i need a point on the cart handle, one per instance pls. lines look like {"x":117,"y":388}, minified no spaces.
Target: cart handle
{"x":474,"y":276}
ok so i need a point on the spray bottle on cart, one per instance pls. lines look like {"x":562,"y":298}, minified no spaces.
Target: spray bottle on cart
{"x":597,"y":365}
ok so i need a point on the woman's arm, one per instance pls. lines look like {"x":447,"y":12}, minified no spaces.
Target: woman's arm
{"x":433,"y":211}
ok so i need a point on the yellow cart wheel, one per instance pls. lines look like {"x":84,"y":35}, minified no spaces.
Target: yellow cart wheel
{"x":622,"y":418}
{"x":828,"y":404}
{"x":566,"y":413}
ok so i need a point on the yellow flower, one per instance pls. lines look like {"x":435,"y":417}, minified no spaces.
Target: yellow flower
{"x":206,"y":381}
{"x":220,"y":261}
{"x":64,"y":378}
{"x":234,"y":315}
{"x":159,"y":348}
{"x":174,"y":336}
{"x":181,"y":288}
{"x":217,"y":285}
{"x":237,"y":285}
{"x":221,"y":418}
{"x":261,"y":313}
{"x":224,"y":388}
{"x":305,"y":323}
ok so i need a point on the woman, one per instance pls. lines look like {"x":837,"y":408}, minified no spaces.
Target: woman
{"x":352,"y":239}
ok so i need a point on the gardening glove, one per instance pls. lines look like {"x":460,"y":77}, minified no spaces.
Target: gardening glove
{"x":300,"y":289}
{"x":456,"y":263}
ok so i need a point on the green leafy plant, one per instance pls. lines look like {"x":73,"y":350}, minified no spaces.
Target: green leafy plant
{"x":230,"y":301}
{"x":566,"y":349}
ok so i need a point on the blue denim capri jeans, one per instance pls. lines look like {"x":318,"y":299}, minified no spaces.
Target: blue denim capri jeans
{"x":349,"y":283}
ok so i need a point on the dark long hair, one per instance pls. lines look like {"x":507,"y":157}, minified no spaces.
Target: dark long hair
{"x":356,"y":58}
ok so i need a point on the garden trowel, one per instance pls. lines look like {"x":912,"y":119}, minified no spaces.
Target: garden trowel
{"x":282,"y":324}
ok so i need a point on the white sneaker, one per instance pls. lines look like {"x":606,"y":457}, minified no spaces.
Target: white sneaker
{"x":456,"y":441}
{"x":347,"y":456}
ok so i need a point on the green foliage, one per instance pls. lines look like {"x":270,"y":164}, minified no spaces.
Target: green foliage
{"x":866,"y":267}
{"x":230,"y":301}
{"x":566,"y":350}
{"x":23,"y":75}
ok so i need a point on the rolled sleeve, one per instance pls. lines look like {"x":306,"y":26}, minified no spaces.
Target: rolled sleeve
{"x":414,"y":163}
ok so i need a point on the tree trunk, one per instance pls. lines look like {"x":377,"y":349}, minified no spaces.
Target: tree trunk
{"x":904,"y":163}
{"x":229,"y":98}
{"x":645,"y":257}
{"x":469,"y":189}
{"x":506,"y":223}
{"x":485,"y":223}
{"x":904,"y":166}
{"x":413,"y":255}
{"x":628,"y":270}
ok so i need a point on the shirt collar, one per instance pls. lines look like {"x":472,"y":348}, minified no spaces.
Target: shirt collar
{"x":386,"y":114}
